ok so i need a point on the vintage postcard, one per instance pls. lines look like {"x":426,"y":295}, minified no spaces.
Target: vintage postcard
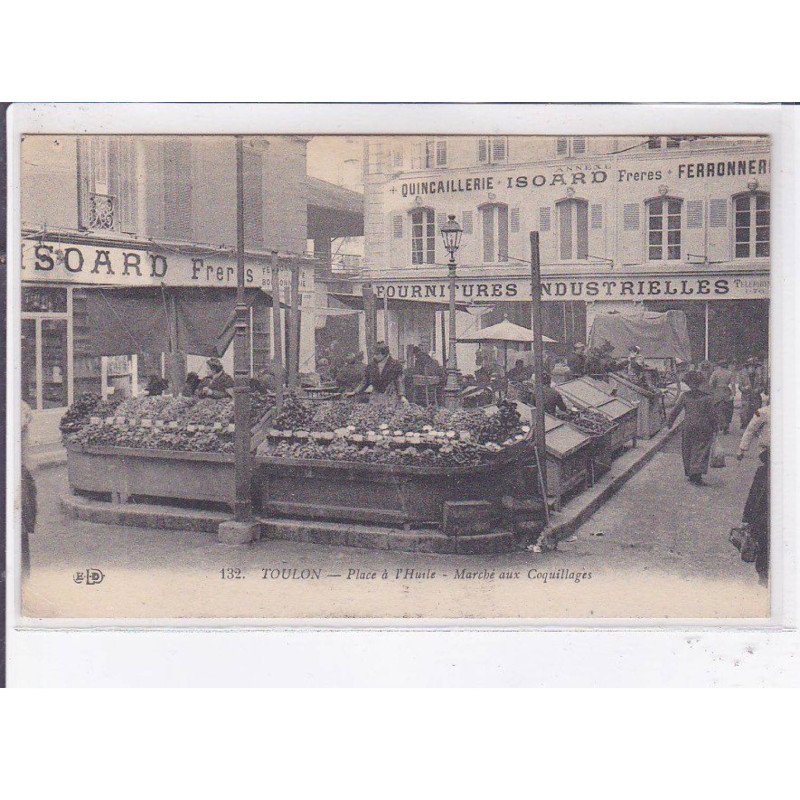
{"x":499,"y":374}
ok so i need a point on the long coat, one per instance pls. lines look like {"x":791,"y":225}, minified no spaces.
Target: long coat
{"x":699,"y":426}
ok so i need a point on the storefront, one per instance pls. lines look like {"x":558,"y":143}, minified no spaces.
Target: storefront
{"x":60,"y":351}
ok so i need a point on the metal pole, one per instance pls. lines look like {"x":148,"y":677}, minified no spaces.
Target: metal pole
{"x":706,"y":330}
{"x":386,"y":322}
{"x":277,"y":339}
{"x":241,"y":373}
{"x":538,"y":367}
{"x":369,"y":318}
{"x":452,"y":387}
{"x":293,"y":359}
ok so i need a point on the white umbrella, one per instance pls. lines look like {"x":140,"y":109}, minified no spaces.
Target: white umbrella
{"x":504,"y":332}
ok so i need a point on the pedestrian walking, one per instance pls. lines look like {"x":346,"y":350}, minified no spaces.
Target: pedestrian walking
{"x":722,"y":383}
{"x":699,"y":427}
{"x":750,"y":386}
{"x":756,"y":508}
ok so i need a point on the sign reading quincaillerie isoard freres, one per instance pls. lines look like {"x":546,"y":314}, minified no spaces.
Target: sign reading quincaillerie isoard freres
{"x":101,"y":265}
{"x":618,"y":287}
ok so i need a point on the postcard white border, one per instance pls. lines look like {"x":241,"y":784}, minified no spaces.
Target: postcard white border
{"x":97,"y":651}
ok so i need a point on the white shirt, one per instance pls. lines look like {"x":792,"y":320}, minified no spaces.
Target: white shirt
{"x":757,"y":428}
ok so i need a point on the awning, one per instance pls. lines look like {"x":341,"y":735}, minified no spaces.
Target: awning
{"x":135,"y":320}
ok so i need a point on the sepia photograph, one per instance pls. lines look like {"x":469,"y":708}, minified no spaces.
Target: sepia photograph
{"x":409,"y":377}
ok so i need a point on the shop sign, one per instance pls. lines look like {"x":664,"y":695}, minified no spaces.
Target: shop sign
{"x":62,"y":262}
{"x":672,"y":287}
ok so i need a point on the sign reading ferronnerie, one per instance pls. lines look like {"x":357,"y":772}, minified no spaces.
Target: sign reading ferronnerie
{"x":673,"y":287}
{"x":48,"y":260}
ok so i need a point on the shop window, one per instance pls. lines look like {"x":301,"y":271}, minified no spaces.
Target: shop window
{"x":573,"y":224}
{"x":55,"y":376}
{"x":44,"y":299}
{"x":435,"y":153}
{"x":751,"y":213}
{"x":494,"y":223}
{"x":423,"y":236}
{"x":664,"y":229}
{"x":107,"y":183}
{"x":493,"y":149}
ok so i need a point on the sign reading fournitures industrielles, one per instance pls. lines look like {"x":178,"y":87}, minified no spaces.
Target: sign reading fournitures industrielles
{"x":683,"y":287}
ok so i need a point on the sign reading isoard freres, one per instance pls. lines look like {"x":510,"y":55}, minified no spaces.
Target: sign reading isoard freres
{"x":673,"y":287}
{"x":79,"y":263}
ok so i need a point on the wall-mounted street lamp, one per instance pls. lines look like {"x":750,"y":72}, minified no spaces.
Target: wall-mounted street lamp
{"x":451,"y":235}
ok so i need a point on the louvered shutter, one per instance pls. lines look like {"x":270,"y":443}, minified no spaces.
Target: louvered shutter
{"x":514,"y":220}
{"x":561,"y":146}
{"x":565,"y":228}
{"x":718,"y":213}
{"x":596,"y":213}
{"x":441,"y":219}
{"x":254,"y":194}
{"x":128,"y":185}
{"x":397,"y":226}
{"x":578,"y":145}
{"x":84,"y":170}
{"x":544,"y":219}
{"x":582,"y":227}
{"x":499,"y":148}
{"x":466,"y":222}
{"x":694,"y":214}
{"x":630,"y":217}
{"x":177,"y":188}
{"x":483,"y":150}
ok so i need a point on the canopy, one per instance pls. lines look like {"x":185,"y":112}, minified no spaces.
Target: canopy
{"x":504,"y":331}
{"x":657,"y":335}
{"x":135,"y":320}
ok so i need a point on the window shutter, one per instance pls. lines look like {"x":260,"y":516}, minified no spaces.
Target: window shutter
{"x":177,"y":188}
{"x":561,"y":146}
{"x":483,"y":150}
{"x":718,"y":213}
{"x":630,"y":217}
{"x":565,"y":228}
{"x":466,"y":222}
{"x":441,"y":154}
{"x":398,"y":158}
{"x":254,"y":194}
{"x":397,"y":226}
{"x":578,"y":145}
{"x":582,"y":227}
{"x":440,"y":220}
{"x":128,"y":185}
{"x":544,"y":219}
{"x":83,"y":182}
{"x":694,"y":214}
{"x":597,"y":216}
{"x":498,"y":148}
{"x":514,"y":220}
{"x":418,"y":160}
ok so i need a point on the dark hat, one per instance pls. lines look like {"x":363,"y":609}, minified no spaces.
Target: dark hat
{"x":214,"y":362}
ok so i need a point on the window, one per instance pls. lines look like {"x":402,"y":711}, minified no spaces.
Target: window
{"x":657,"y":142}
{"x":107,"y":190}
{"x":435,"y":153}
{"x":493,"y":149}
{"x":751,"y":212}
{"x":494,"y":222}
{"x":664,"y":229}
{"x":423,"y":236}
{"x":573,"y":224}
{"x":571,"y":145}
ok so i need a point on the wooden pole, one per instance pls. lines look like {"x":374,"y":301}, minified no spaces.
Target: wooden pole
{"x":538,"y":365}
{"x":277,"y":339}
{"x":386,"y":324}
{"x":241,"y":360}
{"x":369,"y":318}
{"x":294,"y":325}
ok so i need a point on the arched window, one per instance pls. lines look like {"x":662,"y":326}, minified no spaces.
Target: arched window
{"x":494,"y":227}
{"x":751,"y":225}
{"x":423,"y":236}
{"x":573,"y":226}
{"x":664,"y":229}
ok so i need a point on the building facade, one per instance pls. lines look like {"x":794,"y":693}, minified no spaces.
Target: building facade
{"x":124,"y":211}
{"x":624,"y":223}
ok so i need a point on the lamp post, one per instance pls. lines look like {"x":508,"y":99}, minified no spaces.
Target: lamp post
{"x":242,"y":529}
{"x":451,"y":235}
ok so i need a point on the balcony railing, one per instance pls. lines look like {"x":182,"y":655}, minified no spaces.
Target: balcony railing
{"x":102,"y":212}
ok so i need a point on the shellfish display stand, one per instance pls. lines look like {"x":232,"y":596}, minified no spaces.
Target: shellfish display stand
{"x":569,"y":458}
{"x":651,"y":413}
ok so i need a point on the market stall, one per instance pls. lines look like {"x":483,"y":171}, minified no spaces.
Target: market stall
{"x":569,"y":458}
{"x":651,"y":415}
{"x":585,"y":394}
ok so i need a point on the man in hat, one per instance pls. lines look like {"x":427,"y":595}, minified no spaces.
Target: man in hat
{"x":750,"y":385}
{"x":218,"y":383}
{"x":699,"y":427}
{"x":577,"y":360}
{"x":384,"y":376}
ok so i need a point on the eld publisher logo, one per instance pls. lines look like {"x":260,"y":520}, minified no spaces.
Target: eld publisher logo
{"x":90,"y":577}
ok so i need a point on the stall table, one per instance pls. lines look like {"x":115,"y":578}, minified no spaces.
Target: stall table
{"x":651,"y":413}
{"x":569,"y":458}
